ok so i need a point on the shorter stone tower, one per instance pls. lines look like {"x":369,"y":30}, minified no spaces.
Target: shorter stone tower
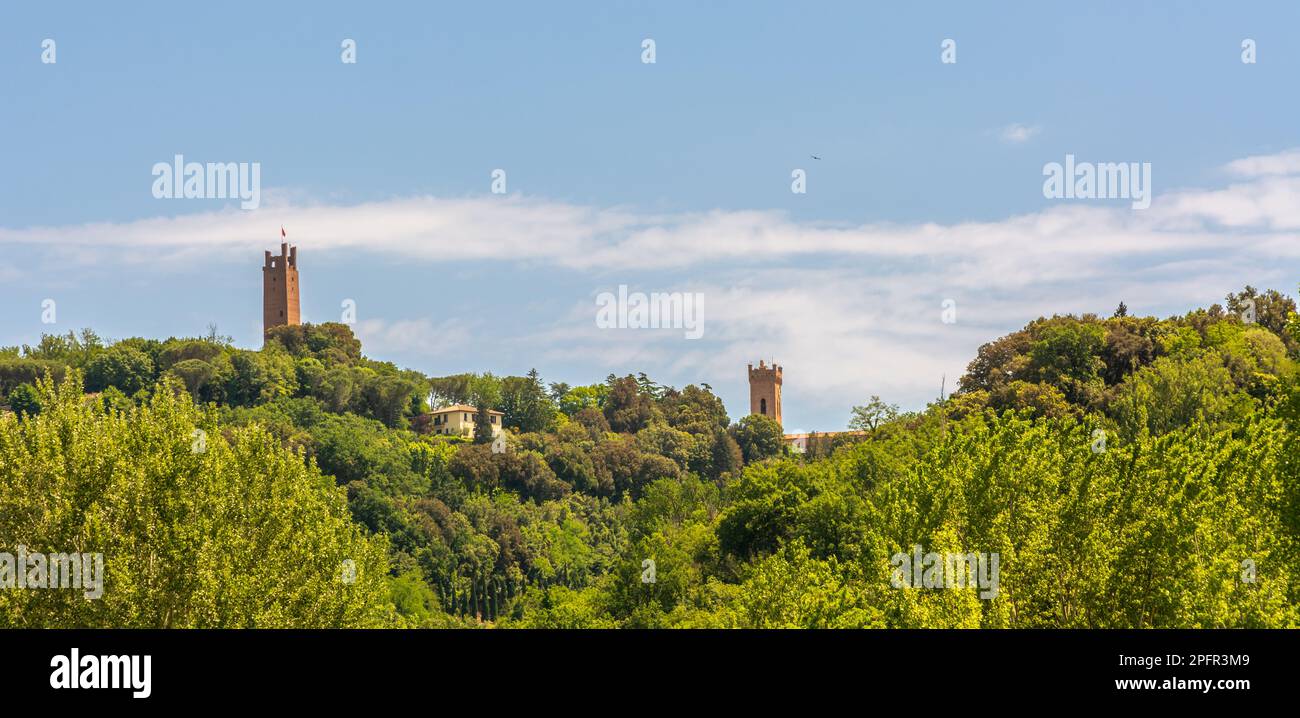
{"x":280,"y":289}
{"x":765,"y":390}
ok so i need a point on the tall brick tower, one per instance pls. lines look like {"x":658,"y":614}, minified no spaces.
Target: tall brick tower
{"x":280,"y":288}
{"x":765,"y":390}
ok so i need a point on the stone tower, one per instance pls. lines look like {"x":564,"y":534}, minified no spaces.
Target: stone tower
{"x":765,"y":390}
{"x":280,"y":288}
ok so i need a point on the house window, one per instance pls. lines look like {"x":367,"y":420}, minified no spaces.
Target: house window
{"x":494,"y":420}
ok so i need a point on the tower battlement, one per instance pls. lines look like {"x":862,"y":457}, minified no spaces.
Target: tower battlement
{"x":765,"y":371}
{"x":288,"y":256}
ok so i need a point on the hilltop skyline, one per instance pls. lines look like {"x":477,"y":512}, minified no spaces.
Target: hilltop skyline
{"x":926,"y":186}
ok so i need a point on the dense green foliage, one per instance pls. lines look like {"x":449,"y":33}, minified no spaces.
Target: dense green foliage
{"x":195,"y":531}
{"x":1128,"y":471}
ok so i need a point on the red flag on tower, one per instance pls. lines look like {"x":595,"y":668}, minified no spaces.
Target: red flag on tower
{"x":282,"y":234}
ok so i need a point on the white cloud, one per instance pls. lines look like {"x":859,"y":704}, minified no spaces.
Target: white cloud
{"x":1268,"y":202}
{"x":850,"y":310}
{"x":1016,"y":133}
{"x":1282,"y":163}
{"x":419,"y":337}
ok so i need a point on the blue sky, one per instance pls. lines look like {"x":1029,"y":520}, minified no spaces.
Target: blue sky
{"x":672,"y":176}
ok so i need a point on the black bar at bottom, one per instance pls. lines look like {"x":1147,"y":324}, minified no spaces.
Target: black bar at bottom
{"x":924,"y":669}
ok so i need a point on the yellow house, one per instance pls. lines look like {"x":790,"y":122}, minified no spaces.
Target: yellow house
{"x":458,"y":420}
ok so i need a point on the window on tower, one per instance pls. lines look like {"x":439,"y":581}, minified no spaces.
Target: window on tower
{"x":762,"y":406}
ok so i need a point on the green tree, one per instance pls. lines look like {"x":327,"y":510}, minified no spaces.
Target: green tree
{"x":759,"y":437}
{"x":25,"y":401}
{"x":195,"y":374}
{"x":236,"y":533}
{"x":525,"y":403}
{"x":121,"y":366}
{"x":575,"y":399}
{"x":1270,"y":309}
{"x":483,"y":425}
{"x":875,"y":413}
{"x":627,"y":408}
